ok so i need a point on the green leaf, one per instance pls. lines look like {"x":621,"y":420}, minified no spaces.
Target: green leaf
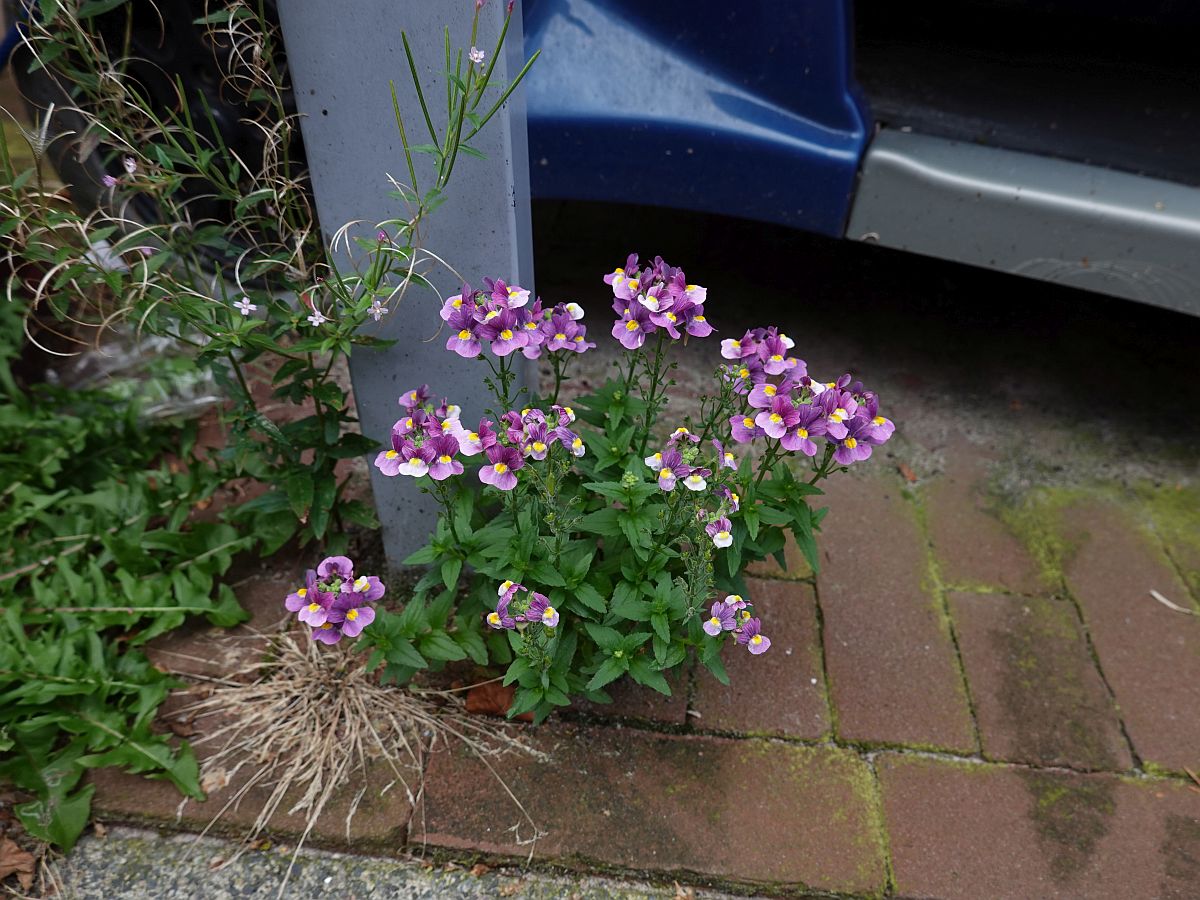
{"x":610,"y":670}
{"x":642,"y":672}
{"x":661,"y":627}
{"x":58,"y":820}
{"x":424,"y":556}
{"x":591,"y":598}
{"x":606,"y":638}
{"x":439,"y":645}
{"x":450,"y":572}
{"x":299,"y":486}
{"x":403,"y":653}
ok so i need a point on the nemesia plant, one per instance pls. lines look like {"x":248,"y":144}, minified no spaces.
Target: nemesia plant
{"x":581,"y":543}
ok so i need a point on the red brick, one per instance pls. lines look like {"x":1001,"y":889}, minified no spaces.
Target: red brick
{"x":379,"y":822}
{"x":744,"y":810}
{"x":1149,"y":654}
{"x":631,"y":700}
{"x":1038,"y":697}
{"x":962,"y":830}
{"x":972,"y":545}
{"x":892,"y":665}
{"x":780,"y":692}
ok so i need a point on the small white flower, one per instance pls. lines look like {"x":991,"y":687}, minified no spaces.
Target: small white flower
{"x":695,"y":482}
{"x":575,"y":310}
{"x":130,"y":164}
{"x":317,"y":318}
{"x":245,"y":306}
{"x":476,"y":56}
{"x":377,"y":311}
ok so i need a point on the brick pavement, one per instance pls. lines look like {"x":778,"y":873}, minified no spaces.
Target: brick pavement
{"x":981,"y":699}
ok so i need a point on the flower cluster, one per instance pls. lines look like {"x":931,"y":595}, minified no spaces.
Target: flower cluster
{"x":333,"y":602}
{"x":655,"y":297}
{"x":796,"y":409}
{"x":427,"y":440}
{"x":733,"y":614}
{"x":503,"y":318}
{"x":671,"y":467}
{"x":518,"y":606}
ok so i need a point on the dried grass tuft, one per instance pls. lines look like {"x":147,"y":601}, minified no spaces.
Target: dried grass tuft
{"x":310,"y":720}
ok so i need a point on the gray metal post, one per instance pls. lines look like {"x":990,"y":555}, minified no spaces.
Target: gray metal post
{"x":341,"y":56}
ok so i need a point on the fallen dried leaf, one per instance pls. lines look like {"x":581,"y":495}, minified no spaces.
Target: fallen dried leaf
{"x":214,"y":780}
{"x":512,"y":889}
{"x":684,"y":893}
{"x":1192,"y":775}
{"x":183,"y":728}
{"x":216,"y":862}
{"x":909,"y":475}
{"x":479,"y":870}
{"x":493,"y":699}
{"x":99,"y":830}
{"x":14,"y":860}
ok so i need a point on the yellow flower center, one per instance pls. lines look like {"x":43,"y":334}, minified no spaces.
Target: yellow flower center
{"x":747,"y":422}
{"x":633,"y":285}
{"x":531,"y":326}
{"x":326,"y":626}
{"x":802,"y":433}
{"x":734,"y":598}
{"x":313,"y":607}
{"x":352,"y":614}
{"x":560,"y":336}
{"x":549,"y":614}
{"x":744,"y":373}
{"x":504,"y":586}
{"x":444,"y":459}
{"x":456,"y":302}
{"x":756,"y":640}
{"x":728,"y":456}
{"x":500,"y":468}
{"x":631,"y":325}
{"x":770,"y":390}
{"x":723,"y":534}
{"x":538,"y":446}
{"x":464,"y":335}
{"x":671,"y":317}
{"x":408,"y":423}
{"x":361,"y":584}
{"x":578,"y":442}
{"x":303,"y":592}
{"x":851,"y":443}
{"x":878,"y":420}
{"x":838,"y":414}
{"x":699,"y":319}
{"x":618,"y":271}
{"x":664,"y":472}
{"x":776,"y":418}
{"x":493,"y":618}
{"x":473,"y":437}
{"x":579,"y":339}
{"x":775,"y":357}
{"x":506,"y":334}
{"x":735,"y":345}
{"x":690,"y":287}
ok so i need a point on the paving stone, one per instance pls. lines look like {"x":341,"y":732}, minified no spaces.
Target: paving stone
{"x":1149,"y":654}
{"x":892,"y":665}
{"x":973,"y":546}
{"x":780,"y":692}
{"x":963,"y":830}
{"x":744,"y":810}
{"x":634,"y":701}
{"x":1038,"y":697}
{"x":379,"y":822}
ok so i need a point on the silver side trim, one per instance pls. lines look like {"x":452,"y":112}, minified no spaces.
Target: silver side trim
{"x":1080,"y":225}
